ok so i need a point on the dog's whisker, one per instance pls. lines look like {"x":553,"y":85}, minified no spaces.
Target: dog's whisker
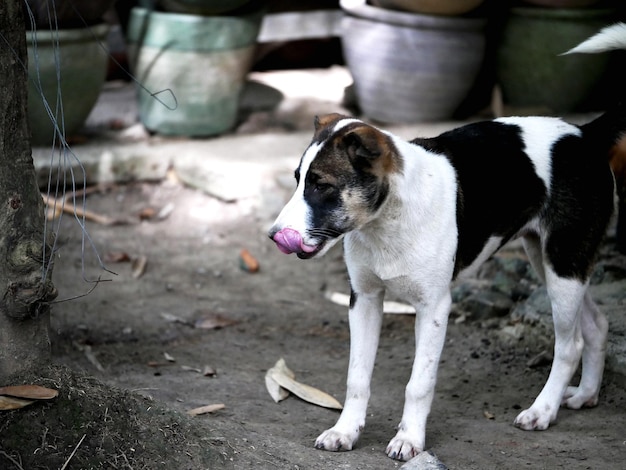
{"x":324,"y":232}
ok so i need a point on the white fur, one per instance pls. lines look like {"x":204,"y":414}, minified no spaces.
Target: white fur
{"x":296,"y":212}
{"x":539,"y":134}
{"x":609,"y":38}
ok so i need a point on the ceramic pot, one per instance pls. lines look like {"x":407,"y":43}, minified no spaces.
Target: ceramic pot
{"x":530,"y":70}
{"x":191,"y":69}
{"x":202,"y":7}
{"x":82,"y":64}
{"x":410,"y":67}
{"x":430,"y":7}
{"x":65,"y":13}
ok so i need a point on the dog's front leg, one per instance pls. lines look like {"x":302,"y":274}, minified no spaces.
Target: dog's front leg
{"x":365,"y":319}
{"x":430,"y":333}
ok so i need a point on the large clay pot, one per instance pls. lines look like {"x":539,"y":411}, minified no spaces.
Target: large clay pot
{"x":72,"y":61}
{"x":410,"y":67}
{"x":197,"y":65}
{"x":430,"y":7}
{"x":530,"y":70}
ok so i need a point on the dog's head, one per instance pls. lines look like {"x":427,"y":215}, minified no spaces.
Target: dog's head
{"x":342,"y":182}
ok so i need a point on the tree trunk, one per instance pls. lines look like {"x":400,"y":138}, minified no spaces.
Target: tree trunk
{"x":24,"y":293}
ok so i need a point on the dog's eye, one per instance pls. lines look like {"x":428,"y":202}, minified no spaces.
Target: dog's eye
{"x":322,"y":187}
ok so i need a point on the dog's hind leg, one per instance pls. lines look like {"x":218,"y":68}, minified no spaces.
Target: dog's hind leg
{"x":594,"y":329}
{"x":566,"y":296}
{"x":532,"y":246}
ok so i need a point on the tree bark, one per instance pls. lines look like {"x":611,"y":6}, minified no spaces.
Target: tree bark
{"x":24,"y":292}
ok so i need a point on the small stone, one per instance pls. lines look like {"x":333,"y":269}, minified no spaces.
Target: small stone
{"x":486,"y":304}
{"x":424,"y":461}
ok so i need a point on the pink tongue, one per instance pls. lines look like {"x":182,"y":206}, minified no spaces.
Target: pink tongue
{"x":289,"y":240}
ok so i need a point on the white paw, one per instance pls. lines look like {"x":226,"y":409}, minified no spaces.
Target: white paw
{"x":404,"y":446}
{"x":576,"y":398}
{"x":534,"y":420}
{"x":334,"y":440}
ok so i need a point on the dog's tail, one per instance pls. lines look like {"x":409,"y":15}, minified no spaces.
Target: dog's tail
{"x":610,"y":128}
{"x":610,"y":38}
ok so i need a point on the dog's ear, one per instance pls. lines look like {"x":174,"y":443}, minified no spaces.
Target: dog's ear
{"x":362,"y":145}
{"x":320,"y":122}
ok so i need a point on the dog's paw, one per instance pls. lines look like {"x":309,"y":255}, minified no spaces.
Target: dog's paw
{"x":335,"y":441}
{"x":533,"y":420}
{"x":576,"y":398}
{"x":404,"y":447}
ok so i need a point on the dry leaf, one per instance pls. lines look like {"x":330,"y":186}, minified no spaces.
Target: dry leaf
{"x":214,"y":321}
{"x":165,"y":211}
{"x":169,"y":357}
{"x":190,"y":369}
{"x":174,"y":319}
{"x":248,"y":262}
{"x":277,"y":392}
{"x":32,"y":392}
{"x":138,"y":265}
{"x":147,"y":213}
{"x":303,"y":391}
{"x":389,"y":306}
{"x":10,"y":403}
{"x":489,"y":415}
{"x":206,"y":409}
{"x":209,"y":371}
{"x":116,"y":257}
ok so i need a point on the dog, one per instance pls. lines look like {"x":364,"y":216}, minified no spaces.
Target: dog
{"x":414,"y":216}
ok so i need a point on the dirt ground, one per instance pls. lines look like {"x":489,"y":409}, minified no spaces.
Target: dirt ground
{"x":133,"y":353}
{"x":130,"y":357}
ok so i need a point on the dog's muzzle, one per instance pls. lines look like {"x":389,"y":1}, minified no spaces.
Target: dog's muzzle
{"x":290,"y":241}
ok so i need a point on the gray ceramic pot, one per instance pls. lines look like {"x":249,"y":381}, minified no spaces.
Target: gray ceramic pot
{"x":410,"y":67}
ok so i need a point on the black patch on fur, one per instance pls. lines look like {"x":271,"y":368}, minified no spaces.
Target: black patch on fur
{"x":579,"y":208}
{"x":353,"y":296}
{"x":499,"y":190}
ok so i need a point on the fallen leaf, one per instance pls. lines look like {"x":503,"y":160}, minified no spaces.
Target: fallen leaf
{"x":190,"y":369}
{"x":147,"y":213}
{"x":213,"y":321}
{"x":209,"y":371}
{"x":248,"y":262}
{"x":10,"y":403}
{"x":169,"y":357}
{"x":32,"y":392}
{"x":138,"y":265}
{"x":489,"y":415}
{"x":116,"y":257}
{"x":174,"y":319}
{"x":277,"y":392}
{"x":303,"y":391}
{"x":389,"y":306}
{"x":165,"y":211}
{"x":206,"y":409}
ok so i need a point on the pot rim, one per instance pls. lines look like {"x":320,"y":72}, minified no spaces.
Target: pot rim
{"x":361,"y":9}
{"x":572,"y":14}
{"x":65,"y":35}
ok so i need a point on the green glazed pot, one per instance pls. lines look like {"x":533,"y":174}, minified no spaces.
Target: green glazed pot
{"x":191,"y":69}
{"x":82,"y":64}
{"x":530,"y":70}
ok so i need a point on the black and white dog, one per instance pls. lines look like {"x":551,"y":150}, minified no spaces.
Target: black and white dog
{"x":415,"y":215}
